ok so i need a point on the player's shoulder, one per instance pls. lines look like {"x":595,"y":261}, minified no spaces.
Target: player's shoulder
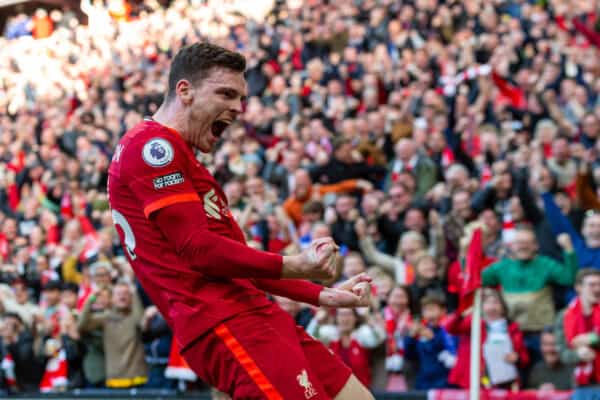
{"x":150,"y":145}
{"x":150,"y":135}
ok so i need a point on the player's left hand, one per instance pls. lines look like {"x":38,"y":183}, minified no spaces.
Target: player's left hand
{"x":355,"y":292}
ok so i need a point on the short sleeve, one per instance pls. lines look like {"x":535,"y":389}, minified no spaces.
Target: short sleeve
{"x":157,"y":168}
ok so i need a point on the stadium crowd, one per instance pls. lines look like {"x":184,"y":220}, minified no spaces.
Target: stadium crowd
{"x":400,"y":128}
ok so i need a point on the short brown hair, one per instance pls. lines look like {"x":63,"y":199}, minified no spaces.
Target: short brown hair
{"x":195,"y":61}
{"x":434,"y":297}
{"x":313,"y":207}
{"x":584,"y":273}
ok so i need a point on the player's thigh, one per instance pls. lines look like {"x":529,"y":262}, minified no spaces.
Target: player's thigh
{"x":354,"y":390}
{"x":248,"y":358}
{"x":329,"y":368}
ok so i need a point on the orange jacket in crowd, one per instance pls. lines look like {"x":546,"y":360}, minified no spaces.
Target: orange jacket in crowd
{"x":293,"y":205}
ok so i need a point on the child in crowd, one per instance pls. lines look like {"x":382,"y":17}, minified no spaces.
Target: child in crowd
{"x":502,"y":346}
{"x":430,"y":346}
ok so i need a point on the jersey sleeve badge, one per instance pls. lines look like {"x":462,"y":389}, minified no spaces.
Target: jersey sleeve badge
{"x":157,"y":152}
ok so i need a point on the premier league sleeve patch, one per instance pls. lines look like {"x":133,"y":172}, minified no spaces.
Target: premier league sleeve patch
{"x":157,"y":152}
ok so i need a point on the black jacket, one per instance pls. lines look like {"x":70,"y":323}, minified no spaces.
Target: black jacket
{"x":336,"y":171}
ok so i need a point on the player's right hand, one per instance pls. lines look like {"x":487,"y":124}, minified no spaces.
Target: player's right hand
{"x":318,"y":261}
{"x":355,"y":292}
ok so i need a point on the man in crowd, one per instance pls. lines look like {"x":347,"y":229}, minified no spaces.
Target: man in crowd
{"x":550,"y":373}
{"x":578,"y":328}
{"x":121,"y":326}
{"x":526,"y":281}
{"x":587,"y":244}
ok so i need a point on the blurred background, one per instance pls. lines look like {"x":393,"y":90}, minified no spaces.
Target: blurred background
{"x":400,"y":128}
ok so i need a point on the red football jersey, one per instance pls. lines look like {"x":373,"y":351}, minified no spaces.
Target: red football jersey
{"x":152,"y":168}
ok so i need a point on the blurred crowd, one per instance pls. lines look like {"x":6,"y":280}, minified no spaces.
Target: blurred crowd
{"x":403,"y":129}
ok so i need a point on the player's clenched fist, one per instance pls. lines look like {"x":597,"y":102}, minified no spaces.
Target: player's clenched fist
{"x":318,"y":261}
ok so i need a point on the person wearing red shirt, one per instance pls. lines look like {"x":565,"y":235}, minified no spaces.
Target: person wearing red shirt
{"x":190,"y":255}
{"x":494,"y":323}
{"x":355,"y":341}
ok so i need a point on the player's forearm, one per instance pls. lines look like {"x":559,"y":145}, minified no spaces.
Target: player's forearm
{"x":216,"y":255}
{"x":298,"y":290}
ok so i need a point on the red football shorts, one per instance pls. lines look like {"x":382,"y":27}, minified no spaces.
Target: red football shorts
{"x":262,"y":354}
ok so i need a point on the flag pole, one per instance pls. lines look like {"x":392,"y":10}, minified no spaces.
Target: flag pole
{"x":475,"y":378}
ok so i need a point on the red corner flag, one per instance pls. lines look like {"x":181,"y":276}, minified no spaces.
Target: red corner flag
{"x":474,"y":263}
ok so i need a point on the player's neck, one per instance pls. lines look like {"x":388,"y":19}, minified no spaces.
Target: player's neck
{"x":166,"y":116}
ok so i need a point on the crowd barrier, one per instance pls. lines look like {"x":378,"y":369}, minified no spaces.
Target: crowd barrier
{"x":446,"y":394}
{"x":500,"y":395}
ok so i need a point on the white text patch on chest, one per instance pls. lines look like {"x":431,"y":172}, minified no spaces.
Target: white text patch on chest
{"x":168,"y":180}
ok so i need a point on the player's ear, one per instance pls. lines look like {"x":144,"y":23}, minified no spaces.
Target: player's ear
{"x":185,"y":91}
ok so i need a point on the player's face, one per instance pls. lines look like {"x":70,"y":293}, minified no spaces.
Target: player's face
{"x":216,"y":102}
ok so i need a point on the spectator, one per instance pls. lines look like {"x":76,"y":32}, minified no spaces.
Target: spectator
{"x":350,"y":338}
{"x":344,"y":165}
{"x":525,"y":281}
{"x":92,"y":336}
{"x":281,"y":175}
{"x":497,"y":192}
{"x":63,"y":352}
{"x":354,"y":341}
{"x":68,"y":297}
{"x":587,"y":245}
{"x":581,"y":321}
{"x":304,"y":191}
{"x":20,"y":304}
{"x":341,"y":219}
{"x":412,"y":244}
{"x":587,"y":179}
{"x":407,"y":159}
{"x":51,"y":296}
{"x":430,"y":346}
{"x":353,"y":264}
{"x":398,"y":318}
{"x":28,"y":359}
{"x":42,"y":24}
{"x":498,"y":333}
{"x":550,"y":373}
{"x":390,"y":223}
{"x":561,"y":163}
{"x":427,"y":282}
{"x":460,"y":215}
{"x":123,"y":348}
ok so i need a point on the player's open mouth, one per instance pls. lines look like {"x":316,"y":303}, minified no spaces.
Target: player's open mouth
{"x":218,"y":127}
